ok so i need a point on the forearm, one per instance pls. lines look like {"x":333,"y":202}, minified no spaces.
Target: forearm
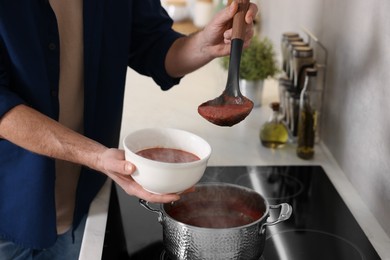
{"x":187,"y":55}
{"x":40,"y":134}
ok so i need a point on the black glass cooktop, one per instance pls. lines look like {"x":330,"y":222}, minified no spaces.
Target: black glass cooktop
{"x":321,"y":226}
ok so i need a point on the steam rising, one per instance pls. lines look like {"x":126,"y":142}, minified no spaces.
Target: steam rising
{"x":218,"y":206}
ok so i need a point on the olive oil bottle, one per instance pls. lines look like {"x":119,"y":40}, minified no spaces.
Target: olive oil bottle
{"x":273,"y":133}
{"x":309,"y":107}
{"x":306,"y":132}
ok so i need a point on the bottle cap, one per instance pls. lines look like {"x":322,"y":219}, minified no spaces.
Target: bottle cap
{"x":285,"y":81}
{"x":275,"y":106}
{"x":293,"y":39}
{"x":311,"y":72}
{"x":289,"y":35}
{"x":293,"y":45}
{"x":303,"y":52}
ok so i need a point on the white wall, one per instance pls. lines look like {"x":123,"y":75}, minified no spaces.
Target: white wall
{"x":356,"y":119}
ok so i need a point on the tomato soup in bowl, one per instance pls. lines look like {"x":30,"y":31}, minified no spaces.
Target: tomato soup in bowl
{"x":167,"y":160}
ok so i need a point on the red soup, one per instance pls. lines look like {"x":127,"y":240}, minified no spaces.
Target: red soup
{"x":168,"y":155}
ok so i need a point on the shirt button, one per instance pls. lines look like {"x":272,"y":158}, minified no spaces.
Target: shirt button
{"x":52,"y":46}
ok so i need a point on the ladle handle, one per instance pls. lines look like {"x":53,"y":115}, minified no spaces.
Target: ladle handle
{"x":239,"y":24}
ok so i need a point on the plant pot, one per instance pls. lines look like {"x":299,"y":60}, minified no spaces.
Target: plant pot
{"x":252,"y":90}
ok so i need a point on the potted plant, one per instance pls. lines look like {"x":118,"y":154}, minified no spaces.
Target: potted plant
{"x":258,"y":62}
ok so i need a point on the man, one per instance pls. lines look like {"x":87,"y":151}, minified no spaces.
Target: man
{"x":62,"y":75}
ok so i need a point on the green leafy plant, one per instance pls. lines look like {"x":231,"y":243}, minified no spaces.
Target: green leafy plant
{"x":258,"y":61}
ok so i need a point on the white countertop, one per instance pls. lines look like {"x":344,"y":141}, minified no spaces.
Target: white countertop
{"x":148,"y":106}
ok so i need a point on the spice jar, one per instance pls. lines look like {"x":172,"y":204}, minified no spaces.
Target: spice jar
{"x":288,"y":55}
{"x":309,"y":107}
{"x":285,"y":39}
{"x":273,"y":133}
{"x":294,"y":114}
{"x":302,"y":59}
{"x":290,"y":48}
{"x":284,"y":86}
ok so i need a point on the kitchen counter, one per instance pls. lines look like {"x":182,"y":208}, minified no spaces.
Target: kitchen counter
{"x":147,"y":106}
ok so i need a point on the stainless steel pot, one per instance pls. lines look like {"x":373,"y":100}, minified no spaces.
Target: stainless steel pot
{"x":217,"y":221}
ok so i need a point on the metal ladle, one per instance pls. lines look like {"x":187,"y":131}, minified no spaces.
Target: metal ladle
{"x":231,"y":107}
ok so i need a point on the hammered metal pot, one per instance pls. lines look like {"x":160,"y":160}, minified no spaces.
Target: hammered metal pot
{"x":217,"y":221}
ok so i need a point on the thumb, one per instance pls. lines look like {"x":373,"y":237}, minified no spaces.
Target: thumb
{"x":129,"y":168}
{"x":121,"y":167}
{"x":114,"y":161}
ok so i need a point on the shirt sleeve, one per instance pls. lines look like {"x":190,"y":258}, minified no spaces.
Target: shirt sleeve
{"x":152,"y":36}
{"x":8,"y":99}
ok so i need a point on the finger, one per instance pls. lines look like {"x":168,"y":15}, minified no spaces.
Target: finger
{"x":251,"y":13}
{"x":140,"y":192}
{"x":189,"y":190}
{"x":129,"y":168}
{"x":227,"y":35}
{"x":156,"y":198}
{"x":132,"y":188}
{"x":120,"y":166}
{"x":122,"y":180}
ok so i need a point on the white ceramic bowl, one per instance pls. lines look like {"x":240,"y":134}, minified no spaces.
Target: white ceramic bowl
{"x":161,"y":177}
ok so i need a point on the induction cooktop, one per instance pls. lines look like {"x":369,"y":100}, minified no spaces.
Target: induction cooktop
{"x":321,"y":226}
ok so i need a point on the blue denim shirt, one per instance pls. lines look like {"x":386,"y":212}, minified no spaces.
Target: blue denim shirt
{"x":117,"y":34}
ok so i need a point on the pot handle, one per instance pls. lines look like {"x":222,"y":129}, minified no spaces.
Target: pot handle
{"x":285,"y":213}
{"x":145,"y":204}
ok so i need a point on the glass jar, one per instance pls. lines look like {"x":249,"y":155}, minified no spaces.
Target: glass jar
{"x":273,"y":133}
{"x":294,"y":114}
{"x":284,"y":86}
{"x":290,"y":48}
{"x":302,"y":58}
{"x":286,"y":38}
